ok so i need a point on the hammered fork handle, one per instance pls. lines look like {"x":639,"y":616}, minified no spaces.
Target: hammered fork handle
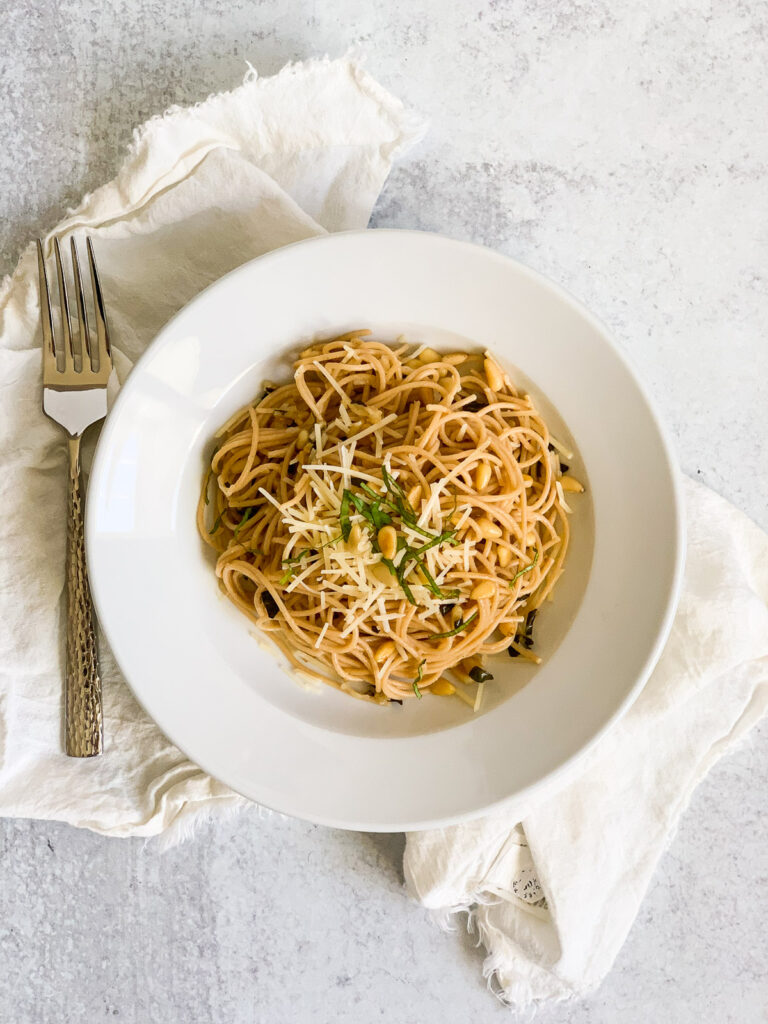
{"x":82,"y":714}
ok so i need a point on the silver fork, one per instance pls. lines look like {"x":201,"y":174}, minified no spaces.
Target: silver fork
{"x":75,"y":375}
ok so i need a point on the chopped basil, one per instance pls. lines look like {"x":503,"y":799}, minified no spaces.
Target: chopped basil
{"x":270,"y":604}
{"x":480,"y":675}
{"x":419,"y":677}
{"x":458,"y":628}
{"x":394,"y":487}
{"x":527,"y":568}
{"x":367,"y":489}
{"x":526,"y":638}
{"x":397,"y":572}
{"x":475,"y":406}
{"x":446,"y":537}
{"x":295,"y":559}
{"x":395,"y":502}
{"x":529,"y":620}
{"x":210,"y":473}
{"x":379,"y":518}
{"x":249,"y":514}
{"x":346,"y":525}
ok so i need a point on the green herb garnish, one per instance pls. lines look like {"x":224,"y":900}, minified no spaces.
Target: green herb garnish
{"x":216,"y":524}
{"x":419,"y":676}
{"x":295,"y":559}
{"x":429,"y":578}
{"x":270,"y":604}
{"x":346,"y":525}
{"x":527,"y":568}
{"x":370,"y":511}
{"x":479,"y":675}
{"x":249,"y":514}
{"x":209,"y":474}
{"x":446,"y":537}
{"x":367,"y":489}
{"x":377,"y":512}
{"x":399,"y":494}
{"x":458,"y":628}
{"x":398,"y":571}
{"x":378,"y":517}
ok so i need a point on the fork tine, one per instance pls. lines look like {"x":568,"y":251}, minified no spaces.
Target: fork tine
{"x":105,"y":352}
{"x":46,"y":318}
{"x":69,"y":354}
{"x":82,"y":316}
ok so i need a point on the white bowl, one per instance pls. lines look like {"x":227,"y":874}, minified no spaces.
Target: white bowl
{"x":192,"y":659}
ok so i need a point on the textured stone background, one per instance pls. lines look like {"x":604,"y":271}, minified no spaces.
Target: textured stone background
{"x":620,"y":147}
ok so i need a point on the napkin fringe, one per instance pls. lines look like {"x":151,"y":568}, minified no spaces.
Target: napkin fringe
{"x":519,"y":993}
{"x":407,"y":127}
{"x":195,"y":816}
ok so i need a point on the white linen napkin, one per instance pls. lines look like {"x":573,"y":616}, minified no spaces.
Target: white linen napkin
{"x":555,"y":886}
{"x":203,"y":190}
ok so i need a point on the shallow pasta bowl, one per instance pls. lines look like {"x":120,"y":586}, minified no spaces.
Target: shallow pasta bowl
{"x":193,"y":660}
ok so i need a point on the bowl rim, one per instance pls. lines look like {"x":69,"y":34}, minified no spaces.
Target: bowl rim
{"x":551,"y":779}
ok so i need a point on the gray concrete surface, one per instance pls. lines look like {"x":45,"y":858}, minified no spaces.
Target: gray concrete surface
{"x":620,"y":148}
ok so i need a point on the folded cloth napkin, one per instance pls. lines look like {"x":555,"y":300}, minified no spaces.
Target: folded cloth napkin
{"x":202,"y":191}
{"x":553,"y":887}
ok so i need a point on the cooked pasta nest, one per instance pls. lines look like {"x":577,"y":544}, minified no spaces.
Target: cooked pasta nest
{"x":389,"y":517}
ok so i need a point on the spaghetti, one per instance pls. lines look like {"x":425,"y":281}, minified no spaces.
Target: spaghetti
{"x":389,"y":518}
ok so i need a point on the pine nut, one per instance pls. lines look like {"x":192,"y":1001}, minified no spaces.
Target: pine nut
{"x":302,"y":438}
{"x":455,"y":358}
{"x":429,"y":356}
{"x":387,"y":539}
{"x":414,"y":495}
{"x":488,"y":529}
{"x":384,"y":651}
{"x":381,"y":573}
{"x":570,"y":483}
{"x":467,"y":664}
{"x":442,"y":688}
{"x":493,"y":375}
{"x":482,"y":475}
{"x":355,"y":534}
{"x":456,"y":613}
{"x":483,"y":589}
{"x":508,"y":628}
{"x":505,"y":557}
{"x":527,"y":480}
{"x":530,"y":539}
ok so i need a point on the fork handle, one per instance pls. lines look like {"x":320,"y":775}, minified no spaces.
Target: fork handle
{"x":82,"y":714}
